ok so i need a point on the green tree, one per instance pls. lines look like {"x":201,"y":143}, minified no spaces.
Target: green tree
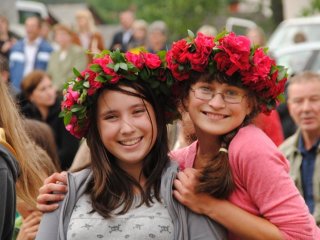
{"x":179,"y":15}
{"x":313,"y":9}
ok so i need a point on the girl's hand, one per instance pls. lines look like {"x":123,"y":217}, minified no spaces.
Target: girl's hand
{"x":30,"y":226}
{"x":185,"y":191}
{"x":52,"y":191}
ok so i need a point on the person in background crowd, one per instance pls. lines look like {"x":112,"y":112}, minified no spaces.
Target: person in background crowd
{"x":122,"y":38}
{"x":139,"y":33}
{"x":4,"y":70}
{"x":39,"y":101}
{"x":90,"y":38}
{"x":127,"y":190}
{"x":257,"y":36}
{"x":7,"y":38}
{"x":5,"y":74}
{"x":29,"y":53}
{"x":68,"y":55}
{"x":43,"y":136}
{"x":157,"y":36}
{"x":208,"y":30}
{"x":302,"y":149}
{"x":17,"y":162}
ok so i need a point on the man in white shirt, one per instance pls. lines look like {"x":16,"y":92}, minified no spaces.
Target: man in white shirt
{"x":30,"y":53}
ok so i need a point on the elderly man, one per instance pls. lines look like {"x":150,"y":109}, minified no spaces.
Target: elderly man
{"x":302,"y":149}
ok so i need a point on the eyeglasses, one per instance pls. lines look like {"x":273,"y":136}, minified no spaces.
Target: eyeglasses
{"x":229,"y":96}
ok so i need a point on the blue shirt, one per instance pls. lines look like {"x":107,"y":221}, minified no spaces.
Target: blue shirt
{"x":307,"y":169}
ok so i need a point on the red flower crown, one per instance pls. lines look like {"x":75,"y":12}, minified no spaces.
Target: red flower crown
{"x":112,"y":67}
{"x":229,"y":54}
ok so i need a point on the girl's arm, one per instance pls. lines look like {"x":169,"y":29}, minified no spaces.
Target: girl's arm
{"x":53,"y":190}
{"x":235,"y":219}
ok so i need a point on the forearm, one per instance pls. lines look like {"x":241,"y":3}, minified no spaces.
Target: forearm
{"x":240,"y":222}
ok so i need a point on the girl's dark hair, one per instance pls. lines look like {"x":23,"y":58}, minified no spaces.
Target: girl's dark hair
{"x":112,"y":187}
{"x":216,"y":178}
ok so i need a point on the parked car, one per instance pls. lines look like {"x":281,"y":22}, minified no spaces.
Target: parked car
{"x":25,"y":9}
{"x":239,"y":25}
{"x":295,"y":30}
{"x":299,"y":57}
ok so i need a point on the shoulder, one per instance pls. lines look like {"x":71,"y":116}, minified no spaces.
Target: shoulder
{"x":290,"y":143}
{"x":251,"y":137}
{"x":252,"y":147}
{"x":18,"y":46}
{"x":8,"y":162}
{"x":80,"y":178}
{"x":184,"y":156}
{"x":97,"y":35}
{"x":46,"y":45}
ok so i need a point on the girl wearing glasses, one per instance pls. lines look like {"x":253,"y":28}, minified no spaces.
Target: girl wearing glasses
{"x":233,"y":173}
{"x":233,"y":168}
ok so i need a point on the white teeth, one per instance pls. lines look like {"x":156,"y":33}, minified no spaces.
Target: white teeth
{"x":215,"y":116}
{"x":130,"y":142}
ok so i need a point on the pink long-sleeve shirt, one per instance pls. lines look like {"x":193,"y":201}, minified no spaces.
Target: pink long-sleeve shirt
{"x":263,"y":185}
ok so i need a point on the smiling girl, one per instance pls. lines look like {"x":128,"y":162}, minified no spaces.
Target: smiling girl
{"x":119,"y":104}
{"x":234,"y":169}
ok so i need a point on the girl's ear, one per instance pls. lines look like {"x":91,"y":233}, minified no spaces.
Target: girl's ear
{"x":252,"y":104}
{"x":184,"y":104}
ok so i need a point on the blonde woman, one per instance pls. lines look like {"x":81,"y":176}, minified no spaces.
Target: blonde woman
{"x":15,"y":149}
{"x":90,"y":38}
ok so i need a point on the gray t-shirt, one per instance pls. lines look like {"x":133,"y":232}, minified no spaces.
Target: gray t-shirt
{"x":138,"y":223}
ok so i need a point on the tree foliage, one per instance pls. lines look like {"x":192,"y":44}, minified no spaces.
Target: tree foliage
{"x":313,"y":9}
{"x":179,"y":15}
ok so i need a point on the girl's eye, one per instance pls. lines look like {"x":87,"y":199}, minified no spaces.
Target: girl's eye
{"x":110,"y":117}
{"x":205,"y":89}
{"x":231,"y":93}
{"x":138,"y":111}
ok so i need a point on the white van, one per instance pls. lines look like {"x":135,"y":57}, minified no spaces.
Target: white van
{"x":24,"y":9}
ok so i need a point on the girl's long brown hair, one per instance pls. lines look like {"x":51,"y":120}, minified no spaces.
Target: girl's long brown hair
{"x":112,"y":187}
{"x":28,"y":154}
{"x":216,"y":178}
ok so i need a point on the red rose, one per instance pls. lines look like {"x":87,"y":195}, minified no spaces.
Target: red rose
{"x":103,"y":62}
{"x":238,"y":50}
{"x":204,"y":43}
{"x":180,"y":51}
{"x":223,"y":61}
{"x":151,"y":60}
{"x":90,"y":76}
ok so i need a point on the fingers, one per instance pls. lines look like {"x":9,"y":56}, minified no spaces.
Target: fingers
{"x":53,"y":187}
{"x":52,"y":192}
{"x":47,"y":207}
{"x":57,"y":177}
{"x":191,"y":173}
{"x":30,"y":226}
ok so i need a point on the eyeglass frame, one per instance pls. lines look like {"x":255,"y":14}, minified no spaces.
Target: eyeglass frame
{"x":214,"y":94}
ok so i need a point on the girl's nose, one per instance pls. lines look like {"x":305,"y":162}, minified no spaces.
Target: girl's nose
{"x":217,"y":101}
{"x":126,"y":127}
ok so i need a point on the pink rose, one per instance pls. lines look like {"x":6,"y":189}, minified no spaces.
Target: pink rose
{"x":70,"y":98}
{"x":135,"y":59}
